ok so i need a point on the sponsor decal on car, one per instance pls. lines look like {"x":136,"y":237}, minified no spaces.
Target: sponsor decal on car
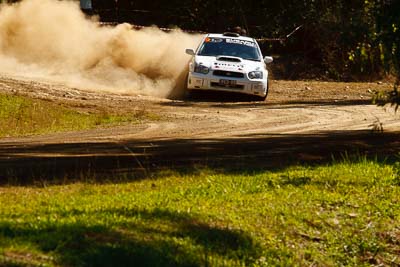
{"x":213,"y":40}
{"x":230,"y":41}
{"x":242,"y":42}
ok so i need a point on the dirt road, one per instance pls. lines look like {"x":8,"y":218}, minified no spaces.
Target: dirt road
{"x":299,"y":122}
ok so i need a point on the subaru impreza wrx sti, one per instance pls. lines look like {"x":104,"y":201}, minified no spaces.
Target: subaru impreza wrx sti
{"x":229,"y":62}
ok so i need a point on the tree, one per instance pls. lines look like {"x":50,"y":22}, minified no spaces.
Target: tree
{"x":388,"y":32}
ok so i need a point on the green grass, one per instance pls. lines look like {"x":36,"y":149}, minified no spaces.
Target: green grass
{"x":24,"y":116}
{"x":342,"y":214}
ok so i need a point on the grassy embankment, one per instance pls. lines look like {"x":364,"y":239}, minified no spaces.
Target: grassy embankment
{"x":340,"y":214}
{"x":24,"y":116}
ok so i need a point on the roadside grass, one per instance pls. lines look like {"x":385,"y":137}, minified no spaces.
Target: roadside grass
{"x":346,"y":214}
{"x":21,"y":116}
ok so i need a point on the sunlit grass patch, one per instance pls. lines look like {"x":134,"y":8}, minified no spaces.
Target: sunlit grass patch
{"x":24,"y":116}
{"x":347,"y":213}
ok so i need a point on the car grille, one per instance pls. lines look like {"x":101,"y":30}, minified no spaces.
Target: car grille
{"x":231,"y":74}
{"x":237,"y":86}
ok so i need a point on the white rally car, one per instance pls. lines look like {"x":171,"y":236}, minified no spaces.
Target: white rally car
{"x":229,"y":62}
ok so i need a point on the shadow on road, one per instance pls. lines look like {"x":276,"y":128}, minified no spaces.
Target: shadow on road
{"x":23,"y":164}
{"x":220,"y":96}
{"x":242,"y":103}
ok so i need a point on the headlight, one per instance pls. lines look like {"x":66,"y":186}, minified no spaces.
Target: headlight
{"x":255,"y":75}
{"x":201,"y":68}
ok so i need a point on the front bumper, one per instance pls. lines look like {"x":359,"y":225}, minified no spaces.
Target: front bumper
{"x":198,"y":81}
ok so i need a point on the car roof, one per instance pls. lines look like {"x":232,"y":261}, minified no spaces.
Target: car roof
{"x":221,"y":35}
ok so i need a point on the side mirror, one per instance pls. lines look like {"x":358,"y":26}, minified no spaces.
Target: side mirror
{"x":268,"y":60}
{"x":190,"y":52}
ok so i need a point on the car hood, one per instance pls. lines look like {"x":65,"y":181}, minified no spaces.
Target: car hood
{"x":229,"y":63}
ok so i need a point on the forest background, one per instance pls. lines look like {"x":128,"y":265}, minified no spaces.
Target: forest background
{"x":338,"y":40}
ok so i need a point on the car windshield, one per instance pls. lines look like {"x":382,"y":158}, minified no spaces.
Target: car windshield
{"x":230,"y":47}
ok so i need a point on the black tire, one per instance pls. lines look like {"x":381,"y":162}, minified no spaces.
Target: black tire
{"x":188,"y":94}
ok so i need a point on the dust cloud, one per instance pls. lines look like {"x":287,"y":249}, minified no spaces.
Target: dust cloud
{"x":54,"y":41}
